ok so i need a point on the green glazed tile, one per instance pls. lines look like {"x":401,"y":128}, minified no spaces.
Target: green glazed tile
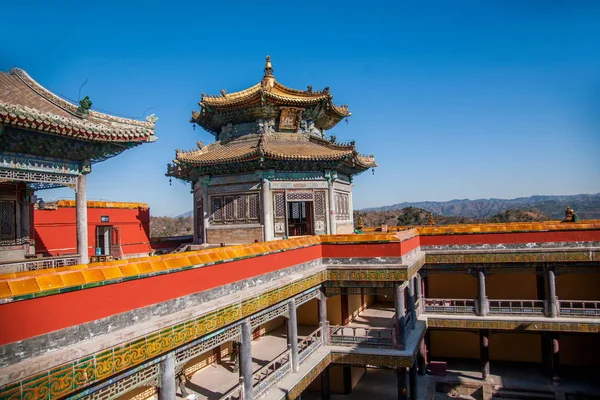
{"x":61,"y":381}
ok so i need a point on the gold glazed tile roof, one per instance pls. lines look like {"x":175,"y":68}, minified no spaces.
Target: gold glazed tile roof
{"x":269,"y":91}
{"x":498,"y":227}
{"x":276,"y":146}
{"x":24,"y":103}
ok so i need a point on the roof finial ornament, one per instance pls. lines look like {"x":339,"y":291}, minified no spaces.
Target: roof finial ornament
{"x":269,"y":80}
{"x":268,"y":67}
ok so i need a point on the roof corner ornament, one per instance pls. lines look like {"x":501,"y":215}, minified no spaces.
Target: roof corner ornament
{"x":333,"y":138}
{"x":152,"y":118}
{"x":199,"y":144}
{"x":84,"y":106}
{"x":223,"y":92}
{"x":309,"y":88}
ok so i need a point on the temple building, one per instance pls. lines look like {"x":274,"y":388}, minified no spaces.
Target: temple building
{"x":48,"y":142}
{"x":272,"y":172}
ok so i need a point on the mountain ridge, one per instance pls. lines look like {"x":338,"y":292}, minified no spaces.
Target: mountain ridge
{"x":587,"y":206}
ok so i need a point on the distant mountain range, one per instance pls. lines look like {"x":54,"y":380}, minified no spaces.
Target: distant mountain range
{"x":587,"y":206}
{"x":185,"y":215}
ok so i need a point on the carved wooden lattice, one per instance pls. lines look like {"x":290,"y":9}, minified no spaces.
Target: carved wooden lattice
{"x":279,"y":205}
{"x":299,"y":196}
{"x":253,"y":207}
{"x":320,"y":212}
{"x":210,"y":342}
{"x":228,"y":208}
{"x":306,"y":297}
{"x":148,"y":376}
{"x":217,"y":208}
{"x":240,"y":209}
{"x":42,"y":177}
{"x":7,"y":220}
{"x":8,"y":189}
{"x":269,"y":314}
{"x":342,"y":206}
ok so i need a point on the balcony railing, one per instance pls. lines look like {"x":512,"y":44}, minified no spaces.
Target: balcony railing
{"x":580,"y":308}
{"x":309,"y":344}
{"x":527,"y":307}
{"x":271,"y":373}
{"x":39,"y":263}
{"x":453,"y":306}
{"x":374,"y":337}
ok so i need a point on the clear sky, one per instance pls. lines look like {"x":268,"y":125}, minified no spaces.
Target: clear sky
{"x":456,"y":99}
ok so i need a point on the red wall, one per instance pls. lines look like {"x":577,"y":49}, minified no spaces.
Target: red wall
{"x":510,"y":238}
{"x":55,"y":231}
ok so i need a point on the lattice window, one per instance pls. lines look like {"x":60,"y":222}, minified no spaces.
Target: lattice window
{"x":299,"y":196}
{"x":240,"y":207}
{"x":228,"y":209}
{"x":217,"y":208}
{"x":279,"y":205}
{"x":7,"y":220}
{"x":342,"y":206}
{"x":319,"y":204}
{"x":253,"y":207}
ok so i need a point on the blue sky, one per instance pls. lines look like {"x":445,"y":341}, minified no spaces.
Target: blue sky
{"x":461,"y":99}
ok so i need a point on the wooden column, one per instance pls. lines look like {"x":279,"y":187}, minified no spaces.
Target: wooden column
{"x":325,"y":384}
{"x":292,"y":329}
{"x":551,"y":300}
{"x":332,"y":211}
{"x":82,"y":221}
{"x":401,"y":377}
{"x":419,"y":292}
{"x":412,"y":379}
{"x":168,"y":386}
{"x":323,"y":316}
{"x":267,"y":211}
{"x":555,"y":358}
{"x":246,"y":360}
{"x":482,"y":300}
{"x":400,"y":316}
{"x":411,"y":303}
{"x":484,"y":353}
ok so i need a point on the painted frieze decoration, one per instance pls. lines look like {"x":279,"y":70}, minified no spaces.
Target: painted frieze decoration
{"x":297,"y":185}
{"x":290,"y":118}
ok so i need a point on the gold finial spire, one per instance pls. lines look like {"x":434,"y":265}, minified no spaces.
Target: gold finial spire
{"x":268,"y":67}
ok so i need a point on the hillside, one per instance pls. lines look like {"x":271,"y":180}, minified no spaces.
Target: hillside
{"x":587,"y":206}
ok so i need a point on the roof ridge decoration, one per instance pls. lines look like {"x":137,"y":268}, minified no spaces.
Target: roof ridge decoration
{"x":72,"y":108}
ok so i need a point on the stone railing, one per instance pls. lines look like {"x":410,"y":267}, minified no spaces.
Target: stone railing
{"x":454,"y":306}
{"x":579,"y":308}
{"x":237,"y":393}
{"x":309,"y":344}
{"x":39,"y":263}
{"x":374,"y":337}
{"x":528,"y":307}
{"x":271,"y":373}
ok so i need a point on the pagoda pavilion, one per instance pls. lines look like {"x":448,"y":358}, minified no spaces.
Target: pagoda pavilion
{"x":271,"y":172}
{"x":47,"y":142}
